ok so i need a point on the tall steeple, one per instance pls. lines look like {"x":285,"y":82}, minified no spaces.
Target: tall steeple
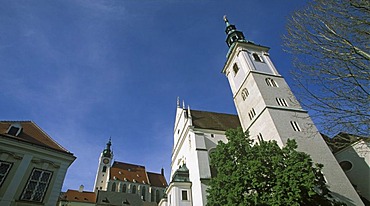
{"x":105,"y":162}
{"x":268,"y":109}
{"x":233,"y":35}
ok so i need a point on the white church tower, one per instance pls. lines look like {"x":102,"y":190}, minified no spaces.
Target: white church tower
{"x":269,"y":111}
{"x":102,"y":174}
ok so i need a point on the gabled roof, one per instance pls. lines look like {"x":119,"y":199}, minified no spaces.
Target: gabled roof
{"x":135,"y":173}
{"x":30,"y":133}
{"x":214,"y":121}
{"x":157,"y":180}
{"x":77,"y":196}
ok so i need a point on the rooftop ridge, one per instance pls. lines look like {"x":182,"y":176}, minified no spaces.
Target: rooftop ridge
{"x":155,"y":173}
{"x":79,"y":191}
{"x":119,"y":162}
{"x":33,"y":134}
{"x":213,"y":112}
{"x":50,"y":137}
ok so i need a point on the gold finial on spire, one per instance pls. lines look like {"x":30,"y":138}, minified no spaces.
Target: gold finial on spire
{"x":225,"y":19}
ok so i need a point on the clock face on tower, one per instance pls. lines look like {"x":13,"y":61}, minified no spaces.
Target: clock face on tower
{"x":105,"y":161}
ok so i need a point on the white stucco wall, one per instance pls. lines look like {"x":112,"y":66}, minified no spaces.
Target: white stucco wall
{"x":174,"y":194}
{"x":25,"y":157}
{"x":192,"y":148}
{"x":358,"y":155}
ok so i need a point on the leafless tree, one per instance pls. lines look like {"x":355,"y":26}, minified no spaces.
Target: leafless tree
{"x":329,"y":41}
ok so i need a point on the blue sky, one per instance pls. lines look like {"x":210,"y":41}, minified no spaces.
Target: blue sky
{"x":85,"y":71}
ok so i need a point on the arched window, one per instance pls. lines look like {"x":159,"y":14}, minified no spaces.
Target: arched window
{"x":133,"y":189}
{"x":235,"y":68}
{"x":268,"y":82}
{"x":256,"y":57}
{"x":245,"y":93}
{"x":271,"y":83}
{"x":124,"y":188}
{"x":157,"y":196}
{"x":104,"y":169}
{"x":114,"y":187}
{"x":211,"y":167}
{"x":152,"y":195}
{"x":143,"y":192}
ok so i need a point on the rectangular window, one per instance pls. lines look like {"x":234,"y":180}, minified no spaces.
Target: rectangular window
{"x":295,"y":126}
{"x":256,"y":57}
{"x":37,"y":185}
{"x":14,"y":131}
{"x":184,"y":194}
{"x":4,"y":170}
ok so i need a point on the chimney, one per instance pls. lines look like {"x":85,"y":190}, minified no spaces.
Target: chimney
{"x":81,"y":189}
{"x":162,"y":171}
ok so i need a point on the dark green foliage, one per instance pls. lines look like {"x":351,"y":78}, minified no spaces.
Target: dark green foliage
{"x":264,"y":174}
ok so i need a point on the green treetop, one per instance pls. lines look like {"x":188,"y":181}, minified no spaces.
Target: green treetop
{"x":264,"y":174}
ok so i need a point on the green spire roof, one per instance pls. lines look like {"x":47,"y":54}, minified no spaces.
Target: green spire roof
{"x":181,"y":174}
{"x":107,"y":152}
{"x":233,"y":35}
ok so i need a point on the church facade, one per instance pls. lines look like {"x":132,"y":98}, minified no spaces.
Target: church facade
{"x":196,"y":133}
{"x":266,"y":107}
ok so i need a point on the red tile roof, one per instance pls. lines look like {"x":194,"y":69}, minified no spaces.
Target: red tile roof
{"x":77,"y":196}
{"x":31,"y":133}
{"x":157,"y":180}
{"x":131,"y":172}
{"x":135,"y":173}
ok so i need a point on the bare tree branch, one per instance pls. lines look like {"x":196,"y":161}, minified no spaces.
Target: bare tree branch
{"x":330,"y":44}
